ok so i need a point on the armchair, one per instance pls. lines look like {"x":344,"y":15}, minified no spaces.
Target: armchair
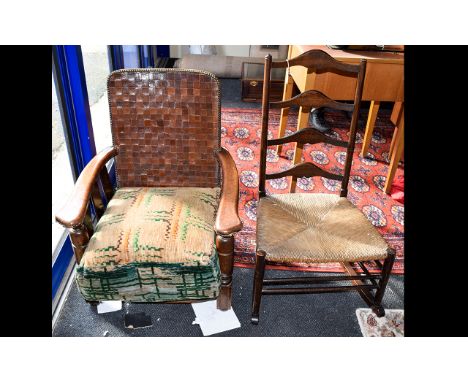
{"x":167,"y":232}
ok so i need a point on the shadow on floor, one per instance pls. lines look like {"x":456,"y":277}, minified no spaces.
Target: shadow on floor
{"x":328,"y":315}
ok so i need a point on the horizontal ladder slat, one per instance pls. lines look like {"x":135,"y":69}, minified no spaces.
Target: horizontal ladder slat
{"x":312,"y":99}
{"x":307,"y":135}
{"x":306,"y":169}
{"x":317,"y":60}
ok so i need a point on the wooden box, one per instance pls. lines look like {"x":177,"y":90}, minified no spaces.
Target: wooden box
{"x":252,"y":82}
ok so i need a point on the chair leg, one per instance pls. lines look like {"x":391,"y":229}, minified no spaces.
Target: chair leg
{"x":386,"y":270}
{"x":258,"y":285}
{"x":225,"y":248}
{"x":92,"y":303}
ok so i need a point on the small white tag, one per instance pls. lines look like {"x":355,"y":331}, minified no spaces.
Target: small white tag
{"x":213,"y":320}
{"x":109,"y":306}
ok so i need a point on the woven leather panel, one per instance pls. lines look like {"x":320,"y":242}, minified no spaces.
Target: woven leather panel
{"x":166,"y":125}
{"x":316,"y":228}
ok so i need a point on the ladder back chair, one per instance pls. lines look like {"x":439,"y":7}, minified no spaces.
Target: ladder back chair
{"x":316,"y":227}
{"x":166,"y":234}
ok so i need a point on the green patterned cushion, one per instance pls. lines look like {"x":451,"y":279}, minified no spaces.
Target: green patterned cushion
{"x":153,"y":244}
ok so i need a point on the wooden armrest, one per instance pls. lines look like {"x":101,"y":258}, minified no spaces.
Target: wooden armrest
{"x":73,"y":212}
{"x":227,"y":217}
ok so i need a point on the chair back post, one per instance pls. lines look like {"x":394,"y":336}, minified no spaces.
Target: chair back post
{"x":352,"y":133}
{"x":265,"y":112}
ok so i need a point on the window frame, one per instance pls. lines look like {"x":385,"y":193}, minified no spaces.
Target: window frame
{"x":72,"y":94}
{"x":70,"y":82}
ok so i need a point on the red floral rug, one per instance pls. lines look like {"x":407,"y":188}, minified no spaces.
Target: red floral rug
{"x":241,"y":136}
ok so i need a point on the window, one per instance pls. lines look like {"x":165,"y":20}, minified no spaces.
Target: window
{"x":96,"y":67}
{"x":62,"y":176}
{"x":131,"y":56}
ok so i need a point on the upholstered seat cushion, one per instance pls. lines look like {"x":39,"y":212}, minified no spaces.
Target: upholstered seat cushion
{"x":153,"y":244}
{"x":316,"y":228}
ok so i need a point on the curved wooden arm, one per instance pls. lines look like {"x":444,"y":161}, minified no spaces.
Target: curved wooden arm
{"x":227,"y":217}
{"x":74,"y":210}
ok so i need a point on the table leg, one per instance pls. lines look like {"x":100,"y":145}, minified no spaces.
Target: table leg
{"x":396,"y":112}
{"x":396,"y":154}
{"x":287,"y":94}
{"x":303,"y":121}
{"x":373,"y":110}
{"x":395,"y":118}
{"x":394,"y":139}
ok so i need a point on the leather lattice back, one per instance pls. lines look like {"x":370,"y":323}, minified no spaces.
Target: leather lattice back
{"x":166,"y":125}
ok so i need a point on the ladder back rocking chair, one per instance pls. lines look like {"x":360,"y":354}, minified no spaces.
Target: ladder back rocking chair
{"x":316,"y":227}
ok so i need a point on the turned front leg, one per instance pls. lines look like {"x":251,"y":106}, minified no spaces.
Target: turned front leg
{"x":79,"y":238}
{"x":225,"y":248}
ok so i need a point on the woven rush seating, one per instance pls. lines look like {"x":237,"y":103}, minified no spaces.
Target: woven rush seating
{"x":153,"y":245}
{"x":316,"y":228}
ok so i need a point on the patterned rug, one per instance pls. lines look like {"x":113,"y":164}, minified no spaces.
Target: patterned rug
{"x":391,"y":325}
{"x":241,"y":136}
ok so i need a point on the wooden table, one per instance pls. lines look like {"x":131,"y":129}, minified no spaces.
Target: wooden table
{"x":383,"y":82}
